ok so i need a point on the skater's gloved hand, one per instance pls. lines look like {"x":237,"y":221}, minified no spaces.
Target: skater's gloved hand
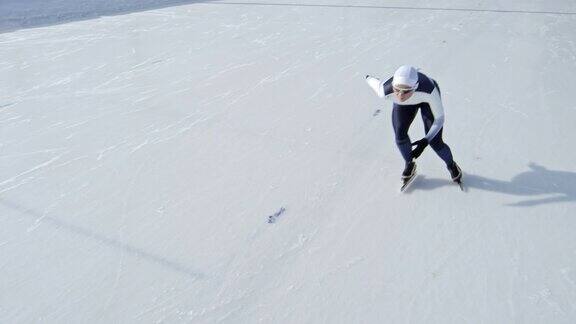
{"x":420,"y":146}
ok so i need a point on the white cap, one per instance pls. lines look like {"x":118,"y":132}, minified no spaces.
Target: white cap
{"x":406,"y":75}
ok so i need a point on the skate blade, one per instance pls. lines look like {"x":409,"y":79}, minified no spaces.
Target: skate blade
{"x":406,"y":185}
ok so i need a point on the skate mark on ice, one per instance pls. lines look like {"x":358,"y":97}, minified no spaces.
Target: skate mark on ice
{"x":25,"y":173}
{"x":7,"y":105}
{"x":104,"y":240}
{"x":286,"y":4}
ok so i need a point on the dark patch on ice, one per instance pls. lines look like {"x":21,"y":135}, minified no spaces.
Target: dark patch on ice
{"x":273,"y":218}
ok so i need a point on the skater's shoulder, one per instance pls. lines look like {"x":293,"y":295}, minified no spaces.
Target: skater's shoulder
{"x":425,"y":84}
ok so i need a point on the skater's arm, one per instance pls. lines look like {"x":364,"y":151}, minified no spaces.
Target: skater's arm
{"x":376,"y":85}
{"x":438,"y":111}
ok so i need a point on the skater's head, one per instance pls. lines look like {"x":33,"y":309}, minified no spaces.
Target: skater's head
{"x":405,"y":81}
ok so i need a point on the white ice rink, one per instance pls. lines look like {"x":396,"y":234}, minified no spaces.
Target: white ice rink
{"x":144,"y":145}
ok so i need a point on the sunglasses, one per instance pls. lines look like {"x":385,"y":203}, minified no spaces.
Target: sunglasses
{"x":402,"y":91}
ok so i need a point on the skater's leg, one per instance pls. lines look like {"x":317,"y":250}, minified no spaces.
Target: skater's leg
{"x":437,"y":144}
{"x":402,"y":117}
{"x":442,"y":149}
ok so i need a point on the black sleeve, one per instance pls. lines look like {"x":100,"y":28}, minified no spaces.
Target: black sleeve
{"x":388,"y":87}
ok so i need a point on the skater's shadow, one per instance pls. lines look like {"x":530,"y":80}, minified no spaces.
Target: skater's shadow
{"x":540,"y":184}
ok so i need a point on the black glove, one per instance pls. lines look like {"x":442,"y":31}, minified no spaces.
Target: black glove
{"x":420,"y":146}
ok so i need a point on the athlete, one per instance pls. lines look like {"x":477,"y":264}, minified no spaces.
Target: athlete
{"x":411,"y":91}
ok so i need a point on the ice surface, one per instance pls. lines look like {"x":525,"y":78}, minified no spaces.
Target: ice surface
{"x":144,"y":146}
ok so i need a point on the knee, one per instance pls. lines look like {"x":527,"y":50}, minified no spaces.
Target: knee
{"x":437,"y":145}
{"x":401,"y":140}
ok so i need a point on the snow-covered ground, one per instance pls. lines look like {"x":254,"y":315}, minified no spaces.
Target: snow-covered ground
{"x":144,"y":145}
